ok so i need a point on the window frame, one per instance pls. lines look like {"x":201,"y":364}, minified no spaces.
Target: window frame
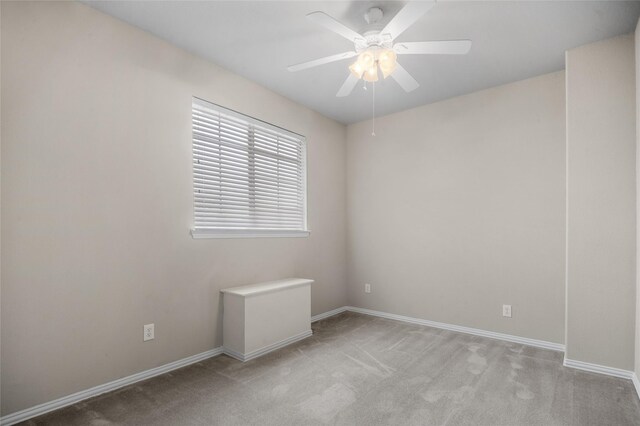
{"x":199,"y":233}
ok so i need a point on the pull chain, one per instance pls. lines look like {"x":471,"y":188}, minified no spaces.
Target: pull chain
{"x":373,"y":120}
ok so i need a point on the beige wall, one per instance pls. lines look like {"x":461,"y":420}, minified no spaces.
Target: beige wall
{"x":601,"y":203}
{"x":97,"y":203}
{"x":454,"y":208}
{"x":458,"y":207}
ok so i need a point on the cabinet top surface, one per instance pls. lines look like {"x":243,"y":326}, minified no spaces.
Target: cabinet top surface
{"x":266,"y":287}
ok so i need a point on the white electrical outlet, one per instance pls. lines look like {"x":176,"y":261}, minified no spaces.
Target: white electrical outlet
{"x":367,"y":288}
{"x":506,"y":311}
{"x":149,"y":332}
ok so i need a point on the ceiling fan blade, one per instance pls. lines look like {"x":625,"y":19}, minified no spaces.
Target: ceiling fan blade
{"x":445,"y":47}
{"x":335,"y":26}
{"x":321,"y":61}
{"x":404,"y":79}
{"x":406,"y":17}
{"x":347,"y":86}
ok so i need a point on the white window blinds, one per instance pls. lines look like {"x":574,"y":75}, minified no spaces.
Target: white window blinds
{"x":249,"y":177}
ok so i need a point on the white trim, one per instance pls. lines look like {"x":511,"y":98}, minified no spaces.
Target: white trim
{"x":328,"y":314}
{"x":38,"y":410}
{"x":233,"y":354}
{"x":460,"y":329}
{"x":636,"y":383}
{"x":270,"y":348}
{"x":457,"y":328}
{"x":65,"y":401}
{"x":566,"y":201}
{"x":247,"y":233}
{"x":597,"y":368}
{"x":305,"y":185}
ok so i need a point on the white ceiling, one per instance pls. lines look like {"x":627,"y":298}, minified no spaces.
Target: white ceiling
{"x":259,"y":39}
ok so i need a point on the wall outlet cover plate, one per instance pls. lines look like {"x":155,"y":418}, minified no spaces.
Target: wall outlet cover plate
{"x":149,"y":332}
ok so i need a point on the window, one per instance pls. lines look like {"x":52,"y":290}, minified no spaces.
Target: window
{"x":249,"y":177}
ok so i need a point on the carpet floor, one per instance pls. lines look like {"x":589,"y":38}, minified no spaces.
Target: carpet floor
{"x":362,"y":370}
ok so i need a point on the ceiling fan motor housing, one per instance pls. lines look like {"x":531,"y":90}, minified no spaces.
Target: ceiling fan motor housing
{"x":373,"y":39}
{"x":371,"y":35}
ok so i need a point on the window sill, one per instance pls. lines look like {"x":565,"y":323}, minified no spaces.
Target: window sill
{"x":247,"y":233}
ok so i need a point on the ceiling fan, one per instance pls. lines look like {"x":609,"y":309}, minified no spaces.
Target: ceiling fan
{"x":376,"y":49}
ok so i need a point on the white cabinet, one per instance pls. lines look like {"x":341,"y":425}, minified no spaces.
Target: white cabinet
{"x":263,"y":317}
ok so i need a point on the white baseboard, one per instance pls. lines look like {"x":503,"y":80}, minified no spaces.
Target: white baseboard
{"x":38,"y":410}
{"x":328,"y":314}
{"x":636,"y":383}
{"x":596,"y":368}
{"x":460,"y":329}
{"x":262,"y":351}
{"x":65,"y":401}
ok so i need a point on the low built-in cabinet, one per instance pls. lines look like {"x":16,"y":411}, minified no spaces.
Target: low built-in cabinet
{"x":263,"y":317}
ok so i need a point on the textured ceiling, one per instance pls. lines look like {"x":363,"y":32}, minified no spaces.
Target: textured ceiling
{"x":259,"y":39}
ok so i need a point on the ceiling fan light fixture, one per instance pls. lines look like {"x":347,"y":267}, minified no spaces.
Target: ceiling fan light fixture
{"x":356,"y":69}
{"x":367,"y":59}
{"x":387,"y":62}
{"x":371,"y":74}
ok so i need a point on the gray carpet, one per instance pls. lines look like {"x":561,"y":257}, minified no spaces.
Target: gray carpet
{"x":361,"y":370}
